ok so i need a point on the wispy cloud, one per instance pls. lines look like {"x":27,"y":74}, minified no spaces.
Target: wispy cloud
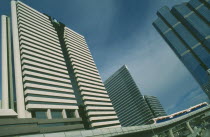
{"x":191,"y":98}
{"x":121,"y":33}
{"x":155,"y":68}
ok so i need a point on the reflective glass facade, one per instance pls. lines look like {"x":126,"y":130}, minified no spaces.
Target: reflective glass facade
{"x":186,"y":30}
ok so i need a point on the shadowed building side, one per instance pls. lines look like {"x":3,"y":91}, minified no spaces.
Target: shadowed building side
{"x":89,"y":89}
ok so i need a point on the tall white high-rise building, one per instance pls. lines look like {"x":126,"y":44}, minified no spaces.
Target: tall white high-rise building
{"x":54,"y":73}
{"x":41,"y":76}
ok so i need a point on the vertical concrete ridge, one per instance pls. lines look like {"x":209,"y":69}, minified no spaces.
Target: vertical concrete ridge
{"x":17,"y":64}
{"x":5,"y":85}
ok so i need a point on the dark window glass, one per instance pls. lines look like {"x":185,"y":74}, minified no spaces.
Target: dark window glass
{"x":56,"y":113}
{"x":175,"y":42}
{"x":161,"y":25}
{"x":200,"y":9}
{"x":166,"y":14}
{"x":195,"y":68}
{"x":186,"y":35}
{"x":197,"y":23}
{"x":203,"y":55}
{"x":40,"y":114}
{"x":69,"y":113}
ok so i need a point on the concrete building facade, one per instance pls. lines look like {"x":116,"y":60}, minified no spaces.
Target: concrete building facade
{"x":88,"y":83}
{"x":42,"y":80}
{"x":131,"y":108}
{"x":155,"y":106}
{"x":7,"y":68}
{"x":54,"y":73}
{"x":186,"y":30}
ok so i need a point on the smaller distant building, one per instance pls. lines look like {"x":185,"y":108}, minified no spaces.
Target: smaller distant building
{"x":128,"y":102}
{"x":155,"y":106}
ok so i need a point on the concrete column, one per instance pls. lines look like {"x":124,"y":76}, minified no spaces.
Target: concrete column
{"x":5,"y":91}
{"x":76,"y":114}
{"x":171,"y":134}
{"x":17,"y":64}
{"x":64,"y":113}
{"x":28,"y":114}
{"x":49,"y":116}
{"x":189,"y":127}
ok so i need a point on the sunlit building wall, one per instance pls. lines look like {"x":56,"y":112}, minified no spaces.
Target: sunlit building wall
{"x":43,"y":86}
{"x":54,"y":73}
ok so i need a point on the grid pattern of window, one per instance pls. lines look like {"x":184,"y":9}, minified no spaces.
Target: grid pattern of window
{"x":126,"y":98}
{"x":186,"y":29}
{"x":95,"y":98}
{"x":155,"y":106}
{"x":46,"y":80}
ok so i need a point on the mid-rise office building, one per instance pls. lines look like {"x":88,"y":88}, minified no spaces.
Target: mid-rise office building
{"x":54,"y":73}
{"x":155,"y":106}
{"x":186,"y":29}
{"x":126,"y":98}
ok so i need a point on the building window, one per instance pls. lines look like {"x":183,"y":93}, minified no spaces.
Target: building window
{"x":40,"y":114}
{"x":56,"y":114}
{"x":69,"y":113}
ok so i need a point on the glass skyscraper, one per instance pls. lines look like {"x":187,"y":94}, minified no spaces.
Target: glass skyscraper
{"x":186,"y":29}
{"x":129,"y":104}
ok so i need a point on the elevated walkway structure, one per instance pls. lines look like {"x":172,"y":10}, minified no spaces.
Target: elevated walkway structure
{"x":38,"y":127}
{"x":135,"y":131}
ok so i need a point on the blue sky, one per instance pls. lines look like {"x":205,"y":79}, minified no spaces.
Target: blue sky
{"x":120,"y":32}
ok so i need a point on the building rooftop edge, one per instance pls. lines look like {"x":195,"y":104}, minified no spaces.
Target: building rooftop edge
{"x":116,"y":72}
{"x":46,"y":15}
